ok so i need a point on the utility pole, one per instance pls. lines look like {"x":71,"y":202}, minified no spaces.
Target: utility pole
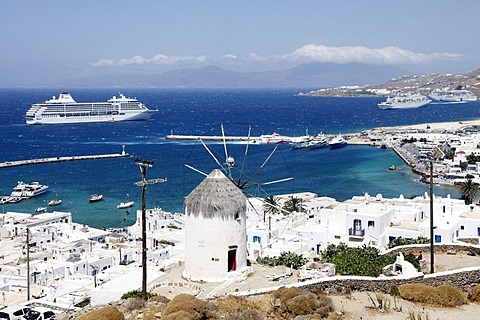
{"x":143,"y":165}
{"x":28,"y":264}
{"x":432,"y":255}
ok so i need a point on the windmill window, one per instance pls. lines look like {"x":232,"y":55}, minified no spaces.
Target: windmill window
{"x":371,"y":224}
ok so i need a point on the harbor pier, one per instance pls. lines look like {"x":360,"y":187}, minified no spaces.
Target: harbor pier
{"x":17,"y":163}
{"x":210,"y":138}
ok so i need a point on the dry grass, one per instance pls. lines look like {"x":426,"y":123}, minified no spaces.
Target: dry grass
{"x":160,"y":299}
{"x":444,"y":295}
{"x":292,"y":302}
{"x":474,"y":294}
{"x":183,"y":305}
{"x":134,"y":304}
{"x":105,"y":313}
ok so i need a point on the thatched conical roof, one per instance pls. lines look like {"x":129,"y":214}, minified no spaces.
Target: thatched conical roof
{"x":215,"y":197}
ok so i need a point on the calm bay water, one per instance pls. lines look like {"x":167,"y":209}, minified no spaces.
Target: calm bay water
{"x":340,"y":173}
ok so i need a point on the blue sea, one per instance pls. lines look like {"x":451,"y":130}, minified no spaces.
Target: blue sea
{"x":340,"y":173}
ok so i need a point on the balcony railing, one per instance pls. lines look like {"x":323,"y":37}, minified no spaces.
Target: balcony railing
{"x":356,"y":233}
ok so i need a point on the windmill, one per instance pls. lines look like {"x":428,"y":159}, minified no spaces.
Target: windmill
{"x":235,"y":173}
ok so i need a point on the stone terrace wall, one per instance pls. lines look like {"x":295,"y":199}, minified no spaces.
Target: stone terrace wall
{"x":463,"y":279}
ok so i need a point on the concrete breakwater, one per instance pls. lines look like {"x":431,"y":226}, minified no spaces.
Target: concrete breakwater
{"x":8,"y":164}
{"x":209,"y":138}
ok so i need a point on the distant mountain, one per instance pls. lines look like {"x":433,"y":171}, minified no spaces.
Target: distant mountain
{"x":307,"y":75}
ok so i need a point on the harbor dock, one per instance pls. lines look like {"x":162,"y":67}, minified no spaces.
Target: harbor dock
{"x":8,"y":164}
{"x":209,"y":138}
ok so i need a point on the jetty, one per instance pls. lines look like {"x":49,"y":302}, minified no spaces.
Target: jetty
{"x":209,"y":138}
{"x":17,"y":163}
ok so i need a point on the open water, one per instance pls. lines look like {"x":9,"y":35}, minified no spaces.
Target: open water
{"x":339,"y":173}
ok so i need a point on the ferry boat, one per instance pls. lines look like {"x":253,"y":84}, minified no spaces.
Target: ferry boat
{"x":458,"y":94}
{"x":25,"y":190}
{"x":274,"y":138}
{"x":65,"y":109}
{"x":404,"y":100}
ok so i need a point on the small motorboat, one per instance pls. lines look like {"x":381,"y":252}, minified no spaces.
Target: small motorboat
{"x":41,"y":209}
{"x":123,"y":205}
{"x":54,"y":202}
{"x":392,"y":167}
{"x":95,"y":197}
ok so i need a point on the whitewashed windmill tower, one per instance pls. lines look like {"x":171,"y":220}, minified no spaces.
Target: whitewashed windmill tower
{"x":215,"y":229}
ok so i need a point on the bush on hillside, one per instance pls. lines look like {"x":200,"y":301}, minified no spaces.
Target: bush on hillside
{"x":105,"y":313}
{"x":406,"y":241}
{"x":136,"y":294}
{"x":443,"y":295}
{"x":474,"y":294}
{"x":294,"y":302}
{"x":358,"y":261}
{"x":184,"y":304}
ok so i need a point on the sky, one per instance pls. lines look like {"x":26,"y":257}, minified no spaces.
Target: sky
{"x":52,"y":40}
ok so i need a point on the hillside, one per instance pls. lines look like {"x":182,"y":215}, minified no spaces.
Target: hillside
{"x":420,"y":83}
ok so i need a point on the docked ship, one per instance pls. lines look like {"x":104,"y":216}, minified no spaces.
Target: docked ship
{"x":458,"y":94}
{"x":28,"y":190}
{"x":404,"y":100}
{"x":65,"y":109}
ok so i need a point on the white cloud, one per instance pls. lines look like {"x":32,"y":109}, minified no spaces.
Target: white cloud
{"x":308,"y":53}
{"x":348,"y":54}
{"x":103,"y":63}
{"x":230,"y":57}
{"x":157,"y":59}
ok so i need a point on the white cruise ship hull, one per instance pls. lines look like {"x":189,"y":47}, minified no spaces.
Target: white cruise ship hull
{"x":394,"y":106}
{"x":58,"y":119}
{"x":65,"y":109}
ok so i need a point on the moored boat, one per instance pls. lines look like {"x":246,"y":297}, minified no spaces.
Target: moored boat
{"x":54,"y":202}
{"x":41,"y":209}
{"x":28,"y":190}
{"x":95,"y":197}
{"x":337,"y":142}
{"x":123,"y":205}
{"x":404,"y":100}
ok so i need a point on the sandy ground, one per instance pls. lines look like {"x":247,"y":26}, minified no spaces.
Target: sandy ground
{"x":354,"y":306}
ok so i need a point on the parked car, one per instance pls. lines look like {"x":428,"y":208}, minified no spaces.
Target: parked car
{"x":39,"y":313}
{"x":14,"y":312}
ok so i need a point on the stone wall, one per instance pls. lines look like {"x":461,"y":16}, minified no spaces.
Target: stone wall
{"x":463,"y":279}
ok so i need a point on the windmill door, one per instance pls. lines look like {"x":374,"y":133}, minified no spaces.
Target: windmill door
{"x":232,"y":259}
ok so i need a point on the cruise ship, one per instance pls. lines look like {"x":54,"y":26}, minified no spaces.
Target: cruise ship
{"x":452,"y":95}
{"x":65,"y":109}
{"x":403,"y":100}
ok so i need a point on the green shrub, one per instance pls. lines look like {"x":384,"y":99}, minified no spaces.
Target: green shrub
{"x":406,"y":241}
{"x":358,"y":261}
{"x":136,"y":294}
